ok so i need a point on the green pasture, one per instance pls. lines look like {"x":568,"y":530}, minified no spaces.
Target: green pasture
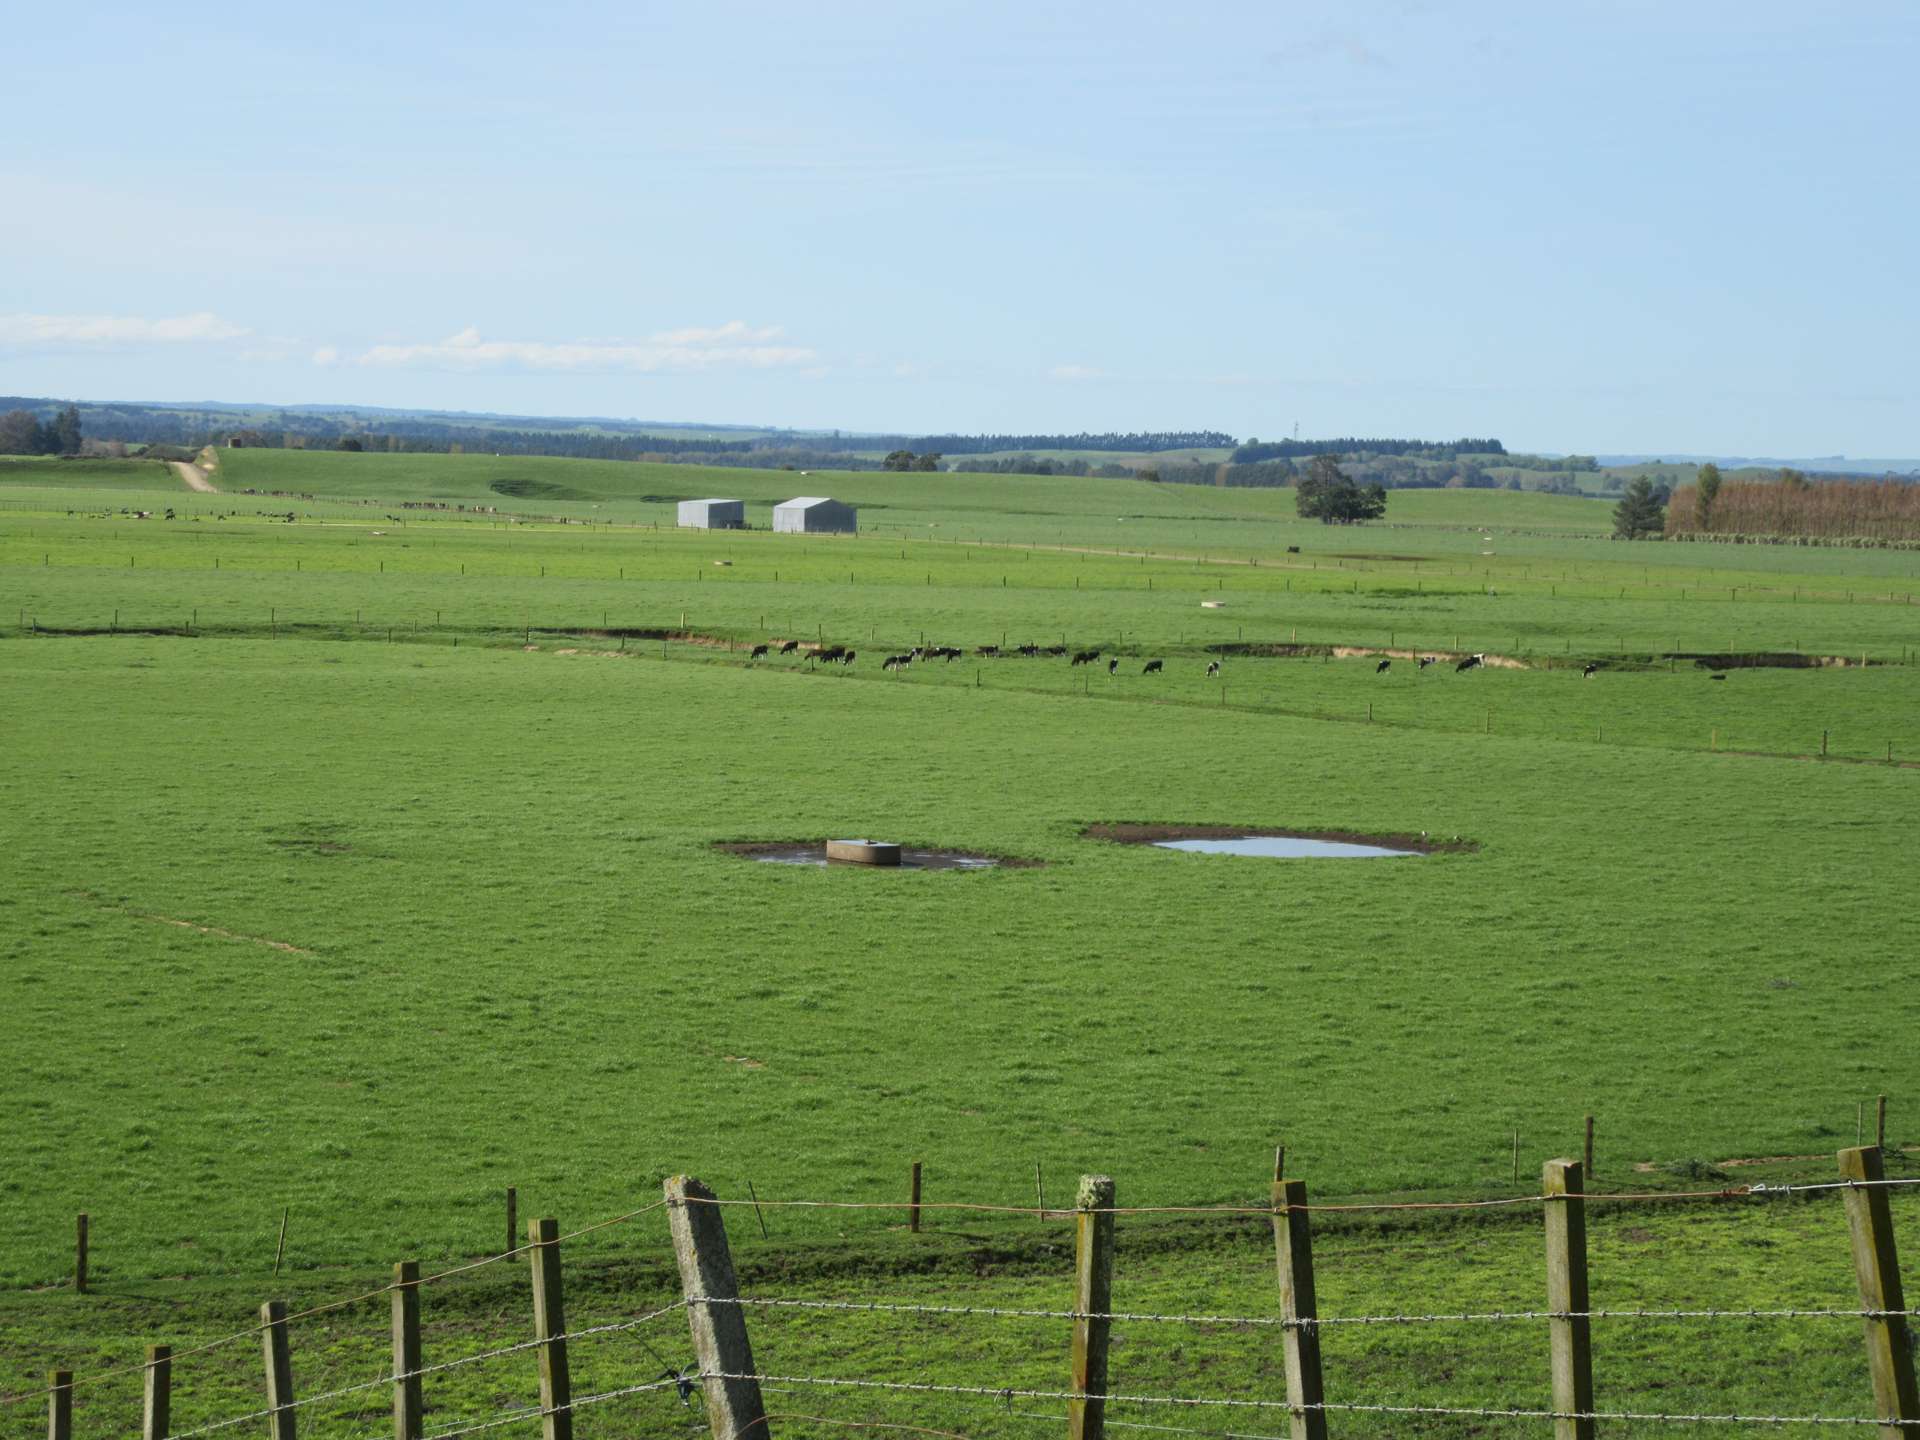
{"x":384,"y":880}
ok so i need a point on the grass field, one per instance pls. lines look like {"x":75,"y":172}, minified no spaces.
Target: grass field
{"x":385,"y":884}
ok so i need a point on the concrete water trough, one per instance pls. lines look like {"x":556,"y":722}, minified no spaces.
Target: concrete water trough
{"x":863,"y":852}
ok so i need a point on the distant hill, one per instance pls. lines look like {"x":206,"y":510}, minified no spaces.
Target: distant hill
{"x":296,"y":427}
{"x":1813,"y":465}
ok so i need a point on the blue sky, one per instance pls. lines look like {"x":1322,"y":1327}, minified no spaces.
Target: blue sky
{"x":1607,"y":227}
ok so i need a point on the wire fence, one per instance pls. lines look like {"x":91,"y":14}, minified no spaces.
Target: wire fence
{"x":710,"y":1375}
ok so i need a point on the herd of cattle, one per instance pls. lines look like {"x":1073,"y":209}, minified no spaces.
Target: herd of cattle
{"x":841,"y":655}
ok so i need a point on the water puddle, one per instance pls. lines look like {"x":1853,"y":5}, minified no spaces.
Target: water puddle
{"x":1281,"y":847}
{"x":813,"y":854}
{"x":1276,"y":842}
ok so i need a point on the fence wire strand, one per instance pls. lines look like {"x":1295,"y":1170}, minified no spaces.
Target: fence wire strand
{"x":1011,"y":1393}
{"x":886,"y":1307}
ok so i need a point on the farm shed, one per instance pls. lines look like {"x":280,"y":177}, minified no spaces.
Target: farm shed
{"x":713,"y":514}
{"x":814,"y":515}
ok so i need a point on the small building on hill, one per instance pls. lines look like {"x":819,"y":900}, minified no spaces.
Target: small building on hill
{"x":713,"y":514}
{"x":815,"y":515}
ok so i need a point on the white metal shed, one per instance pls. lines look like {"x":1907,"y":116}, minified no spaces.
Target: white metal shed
{"x":713,"y":514}
{"x":815,"y":515}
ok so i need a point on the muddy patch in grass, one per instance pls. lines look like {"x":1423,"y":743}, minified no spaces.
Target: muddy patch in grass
{"x":813,"y":854}
{"x":1139,"y":832}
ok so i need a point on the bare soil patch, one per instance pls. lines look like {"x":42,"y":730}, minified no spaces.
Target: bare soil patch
{"x":1141,"y":832}
{"x":1284,"y":651}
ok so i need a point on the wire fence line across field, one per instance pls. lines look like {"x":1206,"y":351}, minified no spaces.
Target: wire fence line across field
{"x":252,"y":1331}
{"x":302,"y":1401}
{"x":886,"y":1307}
{"x":1758,"y":1190}
{"x":1011,"y":1393}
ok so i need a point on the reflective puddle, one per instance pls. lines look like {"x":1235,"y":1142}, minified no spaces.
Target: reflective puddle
{"x":1281,"y":847}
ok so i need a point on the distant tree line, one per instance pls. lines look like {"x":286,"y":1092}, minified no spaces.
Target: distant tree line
{"x":1038,"y":465}
{"x":1141,"y":441}
{"x":22,"y":432}
{"x":1255,"y":450}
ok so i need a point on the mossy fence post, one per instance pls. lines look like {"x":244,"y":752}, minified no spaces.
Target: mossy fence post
{"x":408,"y":1408}
{"x":1876,"y":1264}
{"x":720,"y":1344}
{"x":550,"y":1329}
{"x":1093,"y":1302}
{"x":156,"y":1394}
{"x":277,"y":1353}
{"x":1569,"y":1330}
{"x":1299,"y":1306}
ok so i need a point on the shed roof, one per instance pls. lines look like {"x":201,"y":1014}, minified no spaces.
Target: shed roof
{"x":805,"y":502}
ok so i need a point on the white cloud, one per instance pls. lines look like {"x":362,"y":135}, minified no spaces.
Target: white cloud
{"x":199,"y":327}
{"x":734,"y":345}
{"x":326,"y":355}
{"x":1075,"y":372}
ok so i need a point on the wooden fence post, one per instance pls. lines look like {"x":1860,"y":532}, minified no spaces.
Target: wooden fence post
{"x":156,"y":1400}
{"x":80,"y":1253}
{"x":513,"y":1220}
{"x":408,"y":1408}
{"x":1569,"y":1331}
{"x":550,"y":1328}
{"x":60,"y":1405}
{"x":1299,"y":1306}
{"x":720,"y":1344}
{"x":1587,"y":1155}
{"x":1876,"y":1265}
{"x":1092,"y":1296}
{"x":279,"y":1358}
{"x":913,"y":1203}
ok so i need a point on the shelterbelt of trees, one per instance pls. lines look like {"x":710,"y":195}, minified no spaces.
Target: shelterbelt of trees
{"x":1794,"y":506}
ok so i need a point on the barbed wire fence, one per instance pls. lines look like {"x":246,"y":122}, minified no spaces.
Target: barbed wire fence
{"x":731,"y":1389}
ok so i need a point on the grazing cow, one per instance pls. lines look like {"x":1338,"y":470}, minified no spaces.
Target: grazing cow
{"x":989,"y":650}
{"x":1213,"y":669}
{"x":1589,"y":670}
{"x":1293,"y":549}
{"x":1153,"y":668}
{"x":1716,"y":677}
{"x":896,"y":662}
{"x":831,"y":653}
{"x":1383,"y":667}
{"x":1472,"y":662}
{"x":1113,"y":664}
{"x":950,"y":652}
{"x":789,"y":647}
{"x":1029,"y":650}
{"x":847,"y":658}
{"x":1426,"y":660}
{"x":1084,"y":657}
{"x":757,"y":652}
